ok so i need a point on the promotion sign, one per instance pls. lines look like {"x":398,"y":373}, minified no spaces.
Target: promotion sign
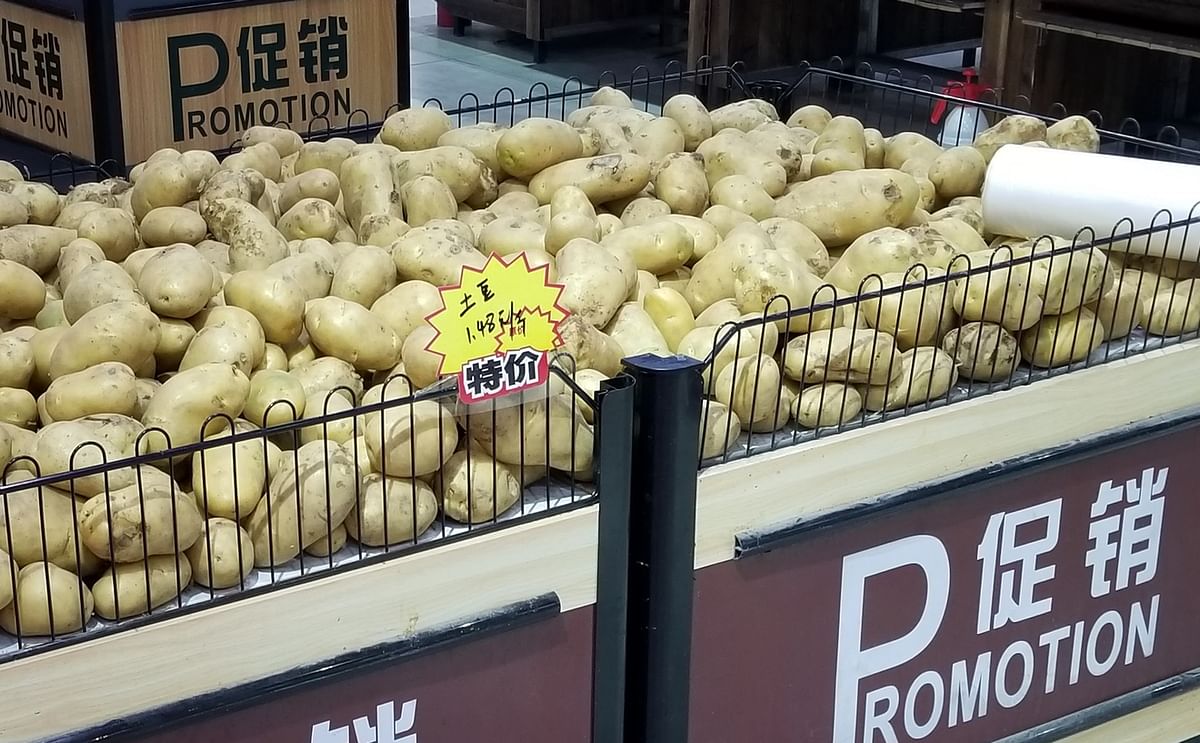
{"x":496,"y":328}
{"x":967,"y":617}
{"x":45,"y":94}
{"x":197,"y":80}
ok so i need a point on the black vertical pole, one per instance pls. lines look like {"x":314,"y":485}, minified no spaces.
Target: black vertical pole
{"x":666,"y":449}
{"x":614,"y":430}
{"x":403,"y":56}
{"x":101,"y":25}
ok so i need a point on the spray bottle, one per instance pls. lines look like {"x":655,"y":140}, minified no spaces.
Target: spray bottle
{"x":963,"y":123}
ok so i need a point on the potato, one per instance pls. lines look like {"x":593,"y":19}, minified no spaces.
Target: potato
{"x":671,"y":314}
{"x":919,"y":316}
{"x":311,"y":271}
{"x":1058,"y":340}
{"x":609,"y":96}
{"x":958,"y":172}
{"x":391,"y":510}
{"x":13,"y":211}
{"x":507,"y":236}
{"x":177,"y":282}
{"x":1074,"y":133}
{"x":98,"y":284}
{"x":1068,"y":279}
{"x":831,"y":404}
{"x":788,"y":144}
{"x":997,"y":289}
{"x":659,"y":247}
{"x":168,"y":225}
{"x":751,"y":386}
{"x":1174,"y":310}
{"x":329,"y":545}
{"x":1016,"y":129}
{"x":415,"y":128}
{"x":719,"y":430}
{"x":571,"y":215}
{"x":410,"y":440}
{"x":844,"y":135}
{"x":480,"y":139}
{"x":350,"y":332}
{"x":595,"y":279}
{"x":253,"y":241}
{"x":318,"y":183}
{"x":733,"y":153}
{"x":18,"y":407}
{"x":369,"y":191}
{"x":692,"y":117}
{"x":152,"y":517}
{"x":226,"y":344}
{"x":793,"y":237}
{"x":588,"y":347}
{"x":16,"y":360}
{"x":926,"y":374}
{"x":813,"y":117}
{"x":1118,"y":309}
{"x":635,"y":332}
{"x":534,"y":144}
{"x":852,"y":355}
{"x":117,"y":331}
{"x":476,"y":488}
{"x":261,"y":158}
{"x":275,"y":397}
{"x":228,"y":478}
{"x":883,"y":251}
{"x":526,"y":435}
{"x":323,"y":406}
{"x":275,"y":301}
{"x":842,"y":207}
{"x":8,"y":575}
{"x":48,"y":601}
{"x":771,"y":281}
{"x":658,"y":138}
{"x":113,"y":230}
{"x":327,"y":374}
{"x":425,"y":199}
{"x":23,"y":291}
{"x":329,"y":155}
{"x":680,"y":181}
{"x":742,"y":194}
{"x":407,"y":305}
{"x":305,"y":501}
{"x":605,"y":178}
{"x":364,"y":275}
{"x":984,"y":352}
{"x":309,"y":218}
{"x":174,"y":337}
{"x":911,"y":149}
{"x":104,"y":388}
{"x":434,"y":254}
{"x":74,"y":257}
{"x":120,"y":593}
{"x":188,"y":399}
{"x":743,"y":115}
{"x":38,"y":524}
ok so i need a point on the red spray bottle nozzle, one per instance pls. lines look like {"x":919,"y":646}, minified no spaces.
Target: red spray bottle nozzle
{"x":968,"y":88}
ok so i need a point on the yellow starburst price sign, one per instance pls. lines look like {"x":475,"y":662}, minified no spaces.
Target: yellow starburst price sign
{"x":496,"y":328}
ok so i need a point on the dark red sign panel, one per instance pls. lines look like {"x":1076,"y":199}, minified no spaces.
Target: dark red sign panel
{"x":964,"y":617}
{"x":532,"y":684}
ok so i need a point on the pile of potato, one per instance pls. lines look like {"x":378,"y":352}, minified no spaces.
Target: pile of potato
{"x":293,"y":279}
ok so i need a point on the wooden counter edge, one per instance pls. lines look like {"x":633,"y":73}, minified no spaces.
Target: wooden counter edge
{"x":1172,"y":721}
{"x":862,"y":465}
{"x":143,"y":669}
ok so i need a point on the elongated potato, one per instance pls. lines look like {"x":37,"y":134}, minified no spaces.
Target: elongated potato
{"x":35,"y":246}
{"x":813,"y":117}
{"x":277,"y":302}
{"x":1174,"y":310}
{"x":108,"y":387}
{"x":38,"y":524}
{"x":595,"y":281}
{"x":926,"y":374}
{"x":751,"y":386}
{"x":168,"y":225}
{"x":481,"y":139}
{"x":476,"y":488}
{"x":731,"y":152}
{"x":17,"y":359}
{"x":406,"y":306}
{"x":743,"y":194}
{"x":917,"y":316}
{"x":1058,"y":340}
{"x":415,"y":128}
{"x":364,"y":275}
{"x":349,"y":331}
{"x":410,"y":440}
{"x":841,"y":207}
{"x":534,"y":144}
{"x":253,"y":241}
{"x":1016,"y":129}
{"x":228,"y":478}
{"x":604,"y":179}
{"x":425,"y":199}
{"x":998,"y":288}
{"x":852,"y":355}
{"x":305,"y":501}
{"x":48,"y":601}
{"x":121,"y":592}
{"x":391,"y":510}
{"x":553,"y":433}
{"x":743,"y":115}
{"x":719,"y":430}
{"x":830,"y":404}
{"x":118,"y":331}
{"x":23,"y":291}
{"x":671,"y":314}
{"x":693,"y":119}
{"x":143,"y":520}
{"x":571,"y":215}
{"x":188,"y":399}
{"x":434,"y":254}
{"x":329,"y":545}
{"x":984,"y":352}
{"x":1074,"y":133}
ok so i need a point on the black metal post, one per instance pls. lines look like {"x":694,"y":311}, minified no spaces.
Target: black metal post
{"x":614,"y":430}
{"x":101,"y":24}
{"x":666,"y":448}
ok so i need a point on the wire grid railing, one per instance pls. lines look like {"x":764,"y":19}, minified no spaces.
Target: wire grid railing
{"x":952,"y":328}
{"x":111,"y":525}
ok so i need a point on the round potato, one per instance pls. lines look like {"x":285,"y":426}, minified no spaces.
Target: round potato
{"x":410,"y":440}
{"x":23,"y":291}
{"x":113,"y":230}
{"x":391,"y":510}
{"x":415,"y":128}
{"x":275,"y":397}
{"x":48,"y":601}
{"x":985,"y":352}
{"x":168,"y":225}
{"x":121,"y":592}
{"x":1058,"y":340}
{"x":831,"y":404}
{"x":692,"y":117}
{"x":223,"y":556}
{"x":149,"y":518}
{"x":178,"y":282}
{"x":958,"y":172}
{"x":276,"y":301}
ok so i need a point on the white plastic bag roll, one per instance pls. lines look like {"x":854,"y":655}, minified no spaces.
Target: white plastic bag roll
{"x":1034,"y":191}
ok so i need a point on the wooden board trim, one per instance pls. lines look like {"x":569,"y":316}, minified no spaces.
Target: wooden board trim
{"x":1175,"y":720}
{"x":829,"y":475}
{"x":131,"y":672}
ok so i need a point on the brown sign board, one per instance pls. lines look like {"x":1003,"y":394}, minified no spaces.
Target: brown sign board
{"x":529,"y":684}
{"x":198,"y":80}
{"x":963,"y":617}
{"x":45,"y":93}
